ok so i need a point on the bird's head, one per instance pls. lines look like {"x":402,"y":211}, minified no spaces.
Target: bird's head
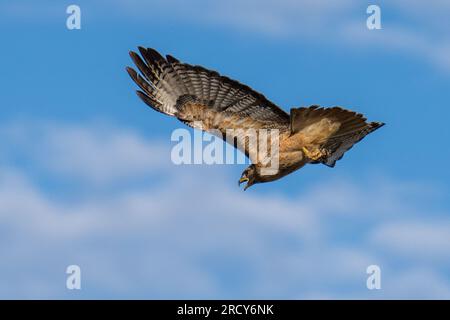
{"x":250,"y":175}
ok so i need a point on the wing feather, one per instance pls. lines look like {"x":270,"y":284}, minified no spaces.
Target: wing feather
{"x":171,"y":79}
{"x":168,"y":85}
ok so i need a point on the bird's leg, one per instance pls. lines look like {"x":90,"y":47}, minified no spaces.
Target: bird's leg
{"x":315,"y":153}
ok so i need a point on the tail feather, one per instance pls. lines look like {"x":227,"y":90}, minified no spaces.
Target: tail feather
{"x":340,"y":143}
{"x":353,"y":127}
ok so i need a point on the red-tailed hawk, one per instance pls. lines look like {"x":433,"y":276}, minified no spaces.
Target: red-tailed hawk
{"x":196,"y":95}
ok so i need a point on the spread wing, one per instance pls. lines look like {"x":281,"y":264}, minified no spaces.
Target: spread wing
{"x":334,"y":130}
{"x":202,"y":98}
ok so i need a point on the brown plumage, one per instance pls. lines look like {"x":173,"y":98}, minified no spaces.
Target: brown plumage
{"x":196,"y":95}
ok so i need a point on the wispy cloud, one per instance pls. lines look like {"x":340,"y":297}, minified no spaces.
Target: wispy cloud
{"x":420,"y":28}
{"x":418,"y":240}
{"x":417,"y":28}
{"x":89,"y":153}
{"x":196,"y":235}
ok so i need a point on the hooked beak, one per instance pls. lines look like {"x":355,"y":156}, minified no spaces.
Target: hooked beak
{"x":243,"y":179}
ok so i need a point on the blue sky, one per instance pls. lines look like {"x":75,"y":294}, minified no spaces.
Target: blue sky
{"x":86,"y":176}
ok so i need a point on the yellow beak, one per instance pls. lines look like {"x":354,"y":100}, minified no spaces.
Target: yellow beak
{"x":242,"y":180}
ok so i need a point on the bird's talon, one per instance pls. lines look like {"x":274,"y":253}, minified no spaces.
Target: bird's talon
{"x":314,"y":155}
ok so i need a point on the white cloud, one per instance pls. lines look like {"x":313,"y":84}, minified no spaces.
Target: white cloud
{"x":268,"y":17}
{"x":411,"y":284}
{"x":94,"y":153}
{"x":420,"y":29}
{"x":404,"y":39}
{"x":196,"y":235}
{"x":418,"y":240}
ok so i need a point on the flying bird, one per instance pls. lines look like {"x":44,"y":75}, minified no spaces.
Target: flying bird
{"x":194,"y":95}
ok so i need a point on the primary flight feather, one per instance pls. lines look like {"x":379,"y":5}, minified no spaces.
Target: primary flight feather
{"x":196,"y":95}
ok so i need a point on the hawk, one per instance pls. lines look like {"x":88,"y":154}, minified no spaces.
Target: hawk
{"x":194,"y":95}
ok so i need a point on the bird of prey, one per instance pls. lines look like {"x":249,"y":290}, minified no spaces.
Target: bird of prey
{"x":194,"y":94}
